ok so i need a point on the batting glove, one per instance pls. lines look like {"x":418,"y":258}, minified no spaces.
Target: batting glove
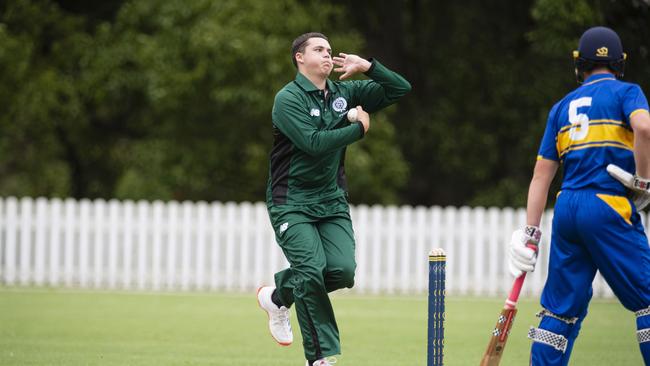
{"x":638,"y":188}
{"x":521,"y":257}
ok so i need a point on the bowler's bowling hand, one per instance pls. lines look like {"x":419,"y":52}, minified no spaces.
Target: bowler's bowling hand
{"x":350,"y":65}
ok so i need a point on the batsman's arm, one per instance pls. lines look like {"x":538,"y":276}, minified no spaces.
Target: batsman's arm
{"x":543,"y":175}
{"x":640,"y":122}
{"x":293,"y":120}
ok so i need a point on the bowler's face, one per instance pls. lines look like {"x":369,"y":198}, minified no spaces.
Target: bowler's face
{"x":317,"y":58}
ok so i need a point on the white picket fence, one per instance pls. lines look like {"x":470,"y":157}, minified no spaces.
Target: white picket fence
{"x":231,"y":247}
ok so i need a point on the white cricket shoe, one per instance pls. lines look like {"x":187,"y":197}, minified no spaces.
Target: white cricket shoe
{"x":323,"y":362}
{"x":279,"y":324}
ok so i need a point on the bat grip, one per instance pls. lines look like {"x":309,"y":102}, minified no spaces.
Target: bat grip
{"x":511,"y":301}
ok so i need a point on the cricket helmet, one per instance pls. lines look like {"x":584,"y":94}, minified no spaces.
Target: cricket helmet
{"x":599,"y":46}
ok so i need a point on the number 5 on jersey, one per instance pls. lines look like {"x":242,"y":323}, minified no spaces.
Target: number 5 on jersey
{"x":579,"y":122}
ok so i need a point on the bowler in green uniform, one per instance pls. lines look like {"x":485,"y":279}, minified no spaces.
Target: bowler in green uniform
{"x":307,"y":192}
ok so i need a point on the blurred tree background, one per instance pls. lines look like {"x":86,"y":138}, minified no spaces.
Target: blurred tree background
{"x":171,"y":99}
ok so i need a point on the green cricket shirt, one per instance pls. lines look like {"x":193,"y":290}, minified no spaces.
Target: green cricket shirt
{"x":311,"y":132}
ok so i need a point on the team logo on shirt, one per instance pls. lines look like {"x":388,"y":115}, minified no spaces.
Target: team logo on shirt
{"x":315,"y":112}
{"x":340,"y":104}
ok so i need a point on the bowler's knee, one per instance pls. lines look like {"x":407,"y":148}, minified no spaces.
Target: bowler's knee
{"x":341,"y":276}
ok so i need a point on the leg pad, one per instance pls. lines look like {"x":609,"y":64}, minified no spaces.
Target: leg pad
{"x":565,"y":319}
{"x":642,"y":312}
{"x":543,"y":336}
{"x":643,"y":335}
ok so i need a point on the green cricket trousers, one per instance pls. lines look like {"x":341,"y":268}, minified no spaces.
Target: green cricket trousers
{"x":318,"y":242}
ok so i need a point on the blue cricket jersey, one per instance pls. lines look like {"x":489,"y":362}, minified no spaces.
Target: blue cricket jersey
{"x":589,"y":129}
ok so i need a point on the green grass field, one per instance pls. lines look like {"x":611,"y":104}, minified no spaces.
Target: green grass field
{"x":56,"y":327}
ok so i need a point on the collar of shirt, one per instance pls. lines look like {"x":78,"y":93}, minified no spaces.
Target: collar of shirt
{"x":306,"y":85}
{"x":598,"y":77}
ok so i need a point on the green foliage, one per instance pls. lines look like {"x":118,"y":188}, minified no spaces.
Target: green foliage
{"x":559,"y":25}
{"x":376,"y":153}
{"x":170,"y":100}
{"x":39,"y":99}
{"x":161,"y":99}
{"x":484,"y":78}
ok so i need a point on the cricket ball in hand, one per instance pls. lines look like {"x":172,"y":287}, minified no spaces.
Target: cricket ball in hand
{"x":353,"y":115}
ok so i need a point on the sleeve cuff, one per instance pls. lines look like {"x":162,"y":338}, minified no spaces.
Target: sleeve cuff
{"x":541,"y":157}
{"x":373,"y":63}
{"x":633,"y":113}
{"x":363,"y":132}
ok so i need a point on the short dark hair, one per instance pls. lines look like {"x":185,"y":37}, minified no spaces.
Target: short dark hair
{"x":299,"y":44}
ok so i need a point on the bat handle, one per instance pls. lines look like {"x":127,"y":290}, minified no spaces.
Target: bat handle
{"x":511,"y":301}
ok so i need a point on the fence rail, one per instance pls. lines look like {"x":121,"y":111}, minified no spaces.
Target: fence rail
{"x":231,"y":247}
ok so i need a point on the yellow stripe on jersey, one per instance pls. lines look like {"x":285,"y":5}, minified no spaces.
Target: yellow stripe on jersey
{"x":619,"y":204}
{"x":605,"y":144}
{"x":598,"y":121}
{"x":638,"y":111}
{"x":599,"y":135}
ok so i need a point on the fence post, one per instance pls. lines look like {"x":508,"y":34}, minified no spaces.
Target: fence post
{"x":463,"y":260}
{"x":11,"y":228}
{"x":478,"y":243}
{"x":216,"y":222}
{"x":201,"y":223}
{"x":171,"y":224}
{"x":25,"y":242}
{"x":114,"y":231}
{"x":186,"y":244}
{"x":230,"y":223}
{"x":376,"y":237}
{"x":143,"y":219}
{"x":494,"y":237}
{"x":39,"y":238}
{"x":84,"y":241}
{"x":421,"y":248}
{"x":406,"y":231}
{"x":157,"y":247}
{"x":127,"y":255}
{"x":244,"y":224}
{"x":449,"y":243}
{"x":261,"y":246}
{"x":55,"y":241}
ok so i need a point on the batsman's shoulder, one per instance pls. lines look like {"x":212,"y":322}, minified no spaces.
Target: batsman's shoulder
{"x":627,"y":89}
{"x":628,"y":84}
{"x":557,"y":107}
{"x":568,"y":97}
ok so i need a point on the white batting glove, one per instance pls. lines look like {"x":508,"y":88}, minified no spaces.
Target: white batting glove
{"x":521,"y":258}
{"x":638,"y":188}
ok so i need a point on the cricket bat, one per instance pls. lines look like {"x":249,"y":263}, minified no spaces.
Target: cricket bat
{"x":621,"y":175}
{"x":501,"y":331}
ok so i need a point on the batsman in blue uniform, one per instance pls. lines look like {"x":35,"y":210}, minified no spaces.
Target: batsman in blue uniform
{"x":601,"y":133}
